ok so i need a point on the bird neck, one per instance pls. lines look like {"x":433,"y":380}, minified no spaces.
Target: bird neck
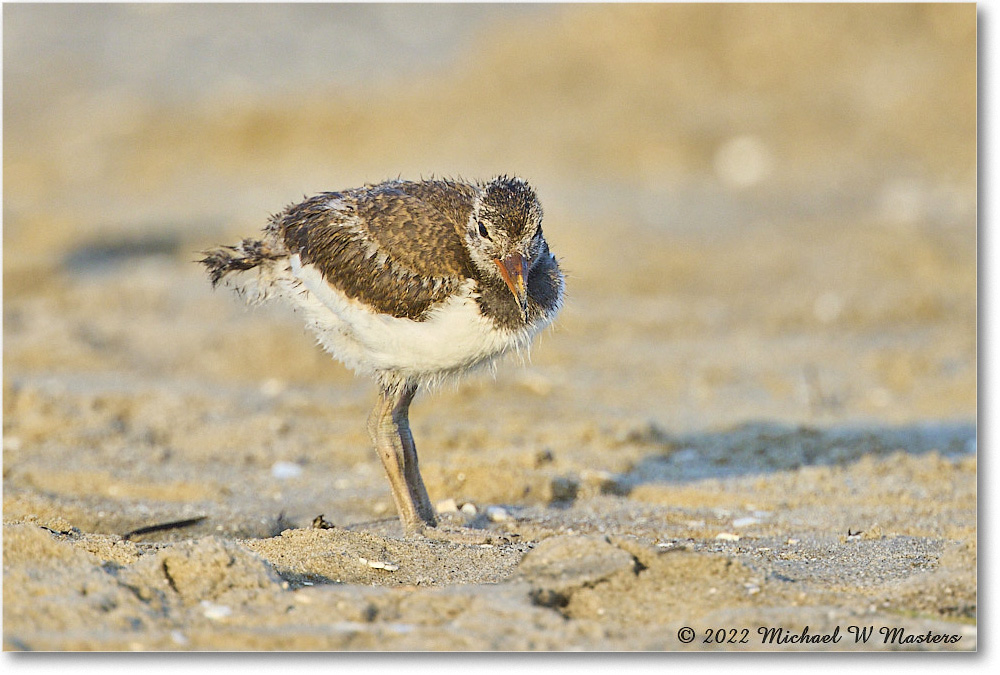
{"x":498,"y":303}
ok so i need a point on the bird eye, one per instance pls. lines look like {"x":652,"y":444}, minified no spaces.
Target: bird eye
{"x":482,"y":231}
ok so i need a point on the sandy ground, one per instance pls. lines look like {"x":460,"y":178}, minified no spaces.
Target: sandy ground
{"x":756,"y":411}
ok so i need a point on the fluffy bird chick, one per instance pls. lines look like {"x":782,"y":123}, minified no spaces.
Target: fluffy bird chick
{"x":410,"y":283}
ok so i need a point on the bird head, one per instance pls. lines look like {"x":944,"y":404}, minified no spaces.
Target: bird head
{"x":504,"y":233}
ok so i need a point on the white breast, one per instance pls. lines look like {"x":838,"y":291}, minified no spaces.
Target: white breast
{"x":454,"y":336}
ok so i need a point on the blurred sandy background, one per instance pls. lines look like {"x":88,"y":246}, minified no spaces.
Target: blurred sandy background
{"x":768,"y":217}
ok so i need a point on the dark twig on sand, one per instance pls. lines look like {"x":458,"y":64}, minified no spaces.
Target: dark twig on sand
{"x":321,"y":523}
{"x":62,"y":533}
{"x":172,"y":525}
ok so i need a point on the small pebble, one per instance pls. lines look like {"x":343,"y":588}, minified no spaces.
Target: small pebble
{"x":792,"y":542}
{"x":214,"y":611}
{"x":379,"y":564}
{"x":743,"y":522}
{"x":282,"y":470}
{"x":469,"y":508}
{"x":497,"y":514}
{"x":727,"y":536}
{"x":447,"y":506}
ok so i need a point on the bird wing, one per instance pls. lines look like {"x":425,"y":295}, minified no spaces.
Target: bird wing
{"x":389,"y":249}
{"x":419,"y":226}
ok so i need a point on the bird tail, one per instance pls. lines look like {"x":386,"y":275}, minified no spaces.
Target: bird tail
{"x":246,"y":255}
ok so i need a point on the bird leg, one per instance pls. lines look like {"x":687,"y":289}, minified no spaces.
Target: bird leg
{"x":389,"y":426}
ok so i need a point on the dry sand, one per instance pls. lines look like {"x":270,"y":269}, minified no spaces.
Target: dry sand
{"x":757,"y":410}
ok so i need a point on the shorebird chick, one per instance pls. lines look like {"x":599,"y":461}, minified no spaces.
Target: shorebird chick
{"x":408,"y":282}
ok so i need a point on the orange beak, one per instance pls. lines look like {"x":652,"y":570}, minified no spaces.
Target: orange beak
{"x":514,"y":269}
